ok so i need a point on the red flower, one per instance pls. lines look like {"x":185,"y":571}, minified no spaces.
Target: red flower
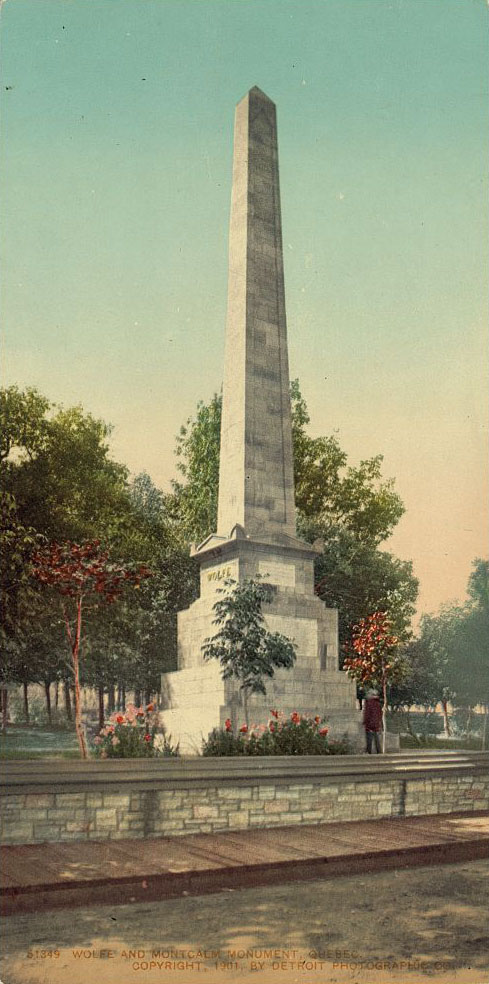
{"x":147,"y":737}
{"x":295,"y":717}
{"x":120,"y":718}
{"x":150,"y":707}
{"x":271,"y":726}
{"x":324,"y":731}
{"x":227,"y":724}
{"x":243,"y":729}
{"x":275,"y":713}
{"x":317,"y":719}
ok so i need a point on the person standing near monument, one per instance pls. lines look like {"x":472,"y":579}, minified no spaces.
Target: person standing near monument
{"x":372,"y":720}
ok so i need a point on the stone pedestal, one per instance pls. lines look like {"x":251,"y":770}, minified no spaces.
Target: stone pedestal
{"x":197,"y":697}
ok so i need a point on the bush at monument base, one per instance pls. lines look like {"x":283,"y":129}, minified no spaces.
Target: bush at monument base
{"x":133,"y":734}
{"x":297,"y":735}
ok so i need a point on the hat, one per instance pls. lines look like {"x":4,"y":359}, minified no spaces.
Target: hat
{"x":371,"y":693}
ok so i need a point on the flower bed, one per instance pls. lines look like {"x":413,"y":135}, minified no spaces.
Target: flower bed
{"x":297,"y":735}
{"x":133,"y":734}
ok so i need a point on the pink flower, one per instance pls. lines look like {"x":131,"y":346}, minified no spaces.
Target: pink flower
{"x":324,"y":731}
{"x":115,"y":740}
{"x":295,"y":717}
{"x":97,"y":740}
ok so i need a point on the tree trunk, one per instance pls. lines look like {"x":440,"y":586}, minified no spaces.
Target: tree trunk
{"x":4,"y":694}
{"x":47,"y":691}
{"x":446,"y":722}
{"x":26,"y":701}
{"x":484,"y":729}
{"x":123,"y":704}
{"x":410,"y":726}
{"x":245,"y":708}
{"x":56,"y":695}
{"x":384,"y":714}
{"x":468,"y":722}
{"x":137,"y":697}
{"x":111,"y":698}
{"x":119,"y":696}
{"x":68,"y":711}
{"x":101,"y":715}
{"x":147,"y":697}
{"x":80,"y":731}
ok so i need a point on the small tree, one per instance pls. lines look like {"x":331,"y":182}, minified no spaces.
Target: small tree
{"x":80,"y":573}
{"x":243,"y":645}
{"x":373,"y":657}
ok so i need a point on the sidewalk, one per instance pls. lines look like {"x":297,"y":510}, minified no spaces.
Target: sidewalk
{"x":36,"y":876}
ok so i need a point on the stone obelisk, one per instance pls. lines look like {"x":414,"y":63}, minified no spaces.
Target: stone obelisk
{"x":256,"y":481}
{"x":256,"y":533}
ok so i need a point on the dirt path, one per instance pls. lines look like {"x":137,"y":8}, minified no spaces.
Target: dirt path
{"x":416,"y":925}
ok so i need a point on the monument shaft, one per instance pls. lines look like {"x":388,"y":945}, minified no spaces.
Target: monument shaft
{"x":256,"y":482}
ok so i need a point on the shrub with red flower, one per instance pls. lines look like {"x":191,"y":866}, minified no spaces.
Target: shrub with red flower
{"x":133,"y":734}
{"x":373,"y":656}
{"x":297,"y":734}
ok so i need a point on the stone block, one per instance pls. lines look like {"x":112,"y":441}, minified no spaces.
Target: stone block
{"x":66,"y":800}
{"x":238,"y":820}
{"x":205,"y":812}
{"x":94,"y":799}
{"x":274,"y":806}
{"x":105,"y":818}
{"x":33,"y":800}
{"x":118,"y":800}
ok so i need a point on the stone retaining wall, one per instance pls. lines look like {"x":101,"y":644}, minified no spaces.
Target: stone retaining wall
{"x":114,"y":803}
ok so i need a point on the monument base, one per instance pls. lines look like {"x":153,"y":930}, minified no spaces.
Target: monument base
{"x":195,"y":696}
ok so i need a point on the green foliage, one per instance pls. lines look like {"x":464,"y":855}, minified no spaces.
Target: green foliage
{"x":195,"y":502}
{"x":17,"y":593}
{"x":357,"y":578}
{"x":352,"y":509}
{"x":244,"y":647}
{"x":328,"y":492}
{"x":297,"y":735}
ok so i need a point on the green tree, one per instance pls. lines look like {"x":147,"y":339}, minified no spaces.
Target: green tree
{"x":358,"y":579}
{"x":197,"y":449}
{"x":351,"y":509}
{"x":56,"y":465}
{"x":328,"y":492}
{"x":331,"y":495}
{"x":467,"y":644}
{"x":374,"y":657}
{"x":243,"y":645}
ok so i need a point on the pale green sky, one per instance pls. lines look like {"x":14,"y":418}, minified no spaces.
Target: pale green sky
{"x":117,"y":130}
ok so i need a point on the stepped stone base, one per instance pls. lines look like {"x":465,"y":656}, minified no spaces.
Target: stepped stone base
{"x":198,"y":699}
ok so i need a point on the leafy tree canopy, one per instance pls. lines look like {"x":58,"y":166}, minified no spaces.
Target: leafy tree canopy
{"x":329,"y":493}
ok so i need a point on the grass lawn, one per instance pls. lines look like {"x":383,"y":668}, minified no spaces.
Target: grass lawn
{"x":450,"y":744}
{"x":35,"y":743}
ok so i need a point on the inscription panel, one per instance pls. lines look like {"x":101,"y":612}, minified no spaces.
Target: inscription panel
{"x":277,"y":573}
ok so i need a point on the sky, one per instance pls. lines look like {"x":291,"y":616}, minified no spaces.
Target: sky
{"x":117,"y":123}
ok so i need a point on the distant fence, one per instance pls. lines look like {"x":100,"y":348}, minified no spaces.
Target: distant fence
{"x":130,"y":798}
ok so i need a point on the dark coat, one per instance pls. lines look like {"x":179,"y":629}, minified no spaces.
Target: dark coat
{"x":372,"y":715}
